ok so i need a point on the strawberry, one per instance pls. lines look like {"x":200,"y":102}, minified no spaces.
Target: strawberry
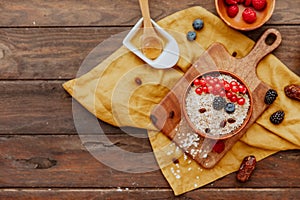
{"x":249,"y":15}
{"x":241,"y":1}
{"x":259,"y":4}
{"x":247,"y":2}
{"x":231,"y":2}
{"x":232,"y":10}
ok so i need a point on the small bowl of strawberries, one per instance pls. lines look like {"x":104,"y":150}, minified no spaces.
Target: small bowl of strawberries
{"x":245,"y":15}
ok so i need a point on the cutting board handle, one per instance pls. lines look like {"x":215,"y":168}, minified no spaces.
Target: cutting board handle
{"x":263,"y":47}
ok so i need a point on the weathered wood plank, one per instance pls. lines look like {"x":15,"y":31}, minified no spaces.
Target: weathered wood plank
{"x":41,"y":107}
{"x":42,"y":41}
{"x":149,"y":194}
{"x":48,"y":53}
{"x":39,"y":13}
{"x":57,"y":53}
{"x":66,"y":163}
{"x":289,"y":50}
{"x":35,"y":105}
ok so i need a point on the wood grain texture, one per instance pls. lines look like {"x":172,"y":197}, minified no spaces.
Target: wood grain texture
{"x":27,"y":106}
{"x":58,"y":53}
{"x":49,"y":53}
{"x":43,"y":44}
{"x":148,"y":194}
{"x":41,"y":107}
{"x":75,"y":167}
{"x":37,"y":13}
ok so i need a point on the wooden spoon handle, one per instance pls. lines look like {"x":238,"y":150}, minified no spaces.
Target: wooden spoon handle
{"x":145,"y":13}
{"x":262,"y":48}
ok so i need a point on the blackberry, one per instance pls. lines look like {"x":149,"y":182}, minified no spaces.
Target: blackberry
{"x":277,"y":117}
{"x":270,"y":96}
{"x":219,"y":103}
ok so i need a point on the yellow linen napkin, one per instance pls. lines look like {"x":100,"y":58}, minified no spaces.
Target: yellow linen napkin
{"x":122,"y":91}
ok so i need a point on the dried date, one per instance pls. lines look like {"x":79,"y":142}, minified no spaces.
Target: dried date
{"x":292,"y":91}
{"x":246,"y":169}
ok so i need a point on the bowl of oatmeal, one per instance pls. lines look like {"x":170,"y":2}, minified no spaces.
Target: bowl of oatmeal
{"x":217,"y":105}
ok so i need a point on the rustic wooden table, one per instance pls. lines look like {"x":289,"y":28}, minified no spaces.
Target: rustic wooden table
{"x":42,"y":45}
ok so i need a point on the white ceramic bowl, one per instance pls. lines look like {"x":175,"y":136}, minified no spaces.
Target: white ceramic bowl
{"x":170,"y":54}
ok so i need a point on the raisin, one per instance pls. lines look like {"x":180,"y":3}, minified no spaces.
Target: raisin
{"x":138,"y":81}
{"x":202,"y":110}
{"x":223,"y":123}
{"x":175,"y":160}
{"x":171,"y":114}
{"x":207,"y":130}
{"x":231,"y":120}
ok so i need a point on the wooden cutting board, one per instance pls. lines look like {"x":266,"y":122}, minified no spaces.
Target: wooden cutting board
{"x":168,"y":116}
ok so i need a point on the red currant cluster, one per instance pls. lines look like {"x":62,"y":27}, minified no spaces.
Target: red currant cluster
{"x":213,"y":85}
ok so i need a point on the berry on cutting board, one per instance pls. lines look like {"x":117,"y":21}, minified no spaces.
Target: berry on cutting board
{"x":249,"y":15}
{"x":198,"y":24}
{"x":191,"y":35}
{"x":259,"y":4}
{"x":219,"y":146}
{"x":232,"y":11}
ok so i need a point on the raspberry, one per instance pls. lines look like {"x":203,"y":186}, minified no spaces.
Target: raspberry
{"x":231,"y":2}
{"x":247,"y":2}
{"x":259,"y":4}
{"x":232,"y":11}
{"x":277,"y":117}
{"x":219,"y":146}
{"x":249,"y":15}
